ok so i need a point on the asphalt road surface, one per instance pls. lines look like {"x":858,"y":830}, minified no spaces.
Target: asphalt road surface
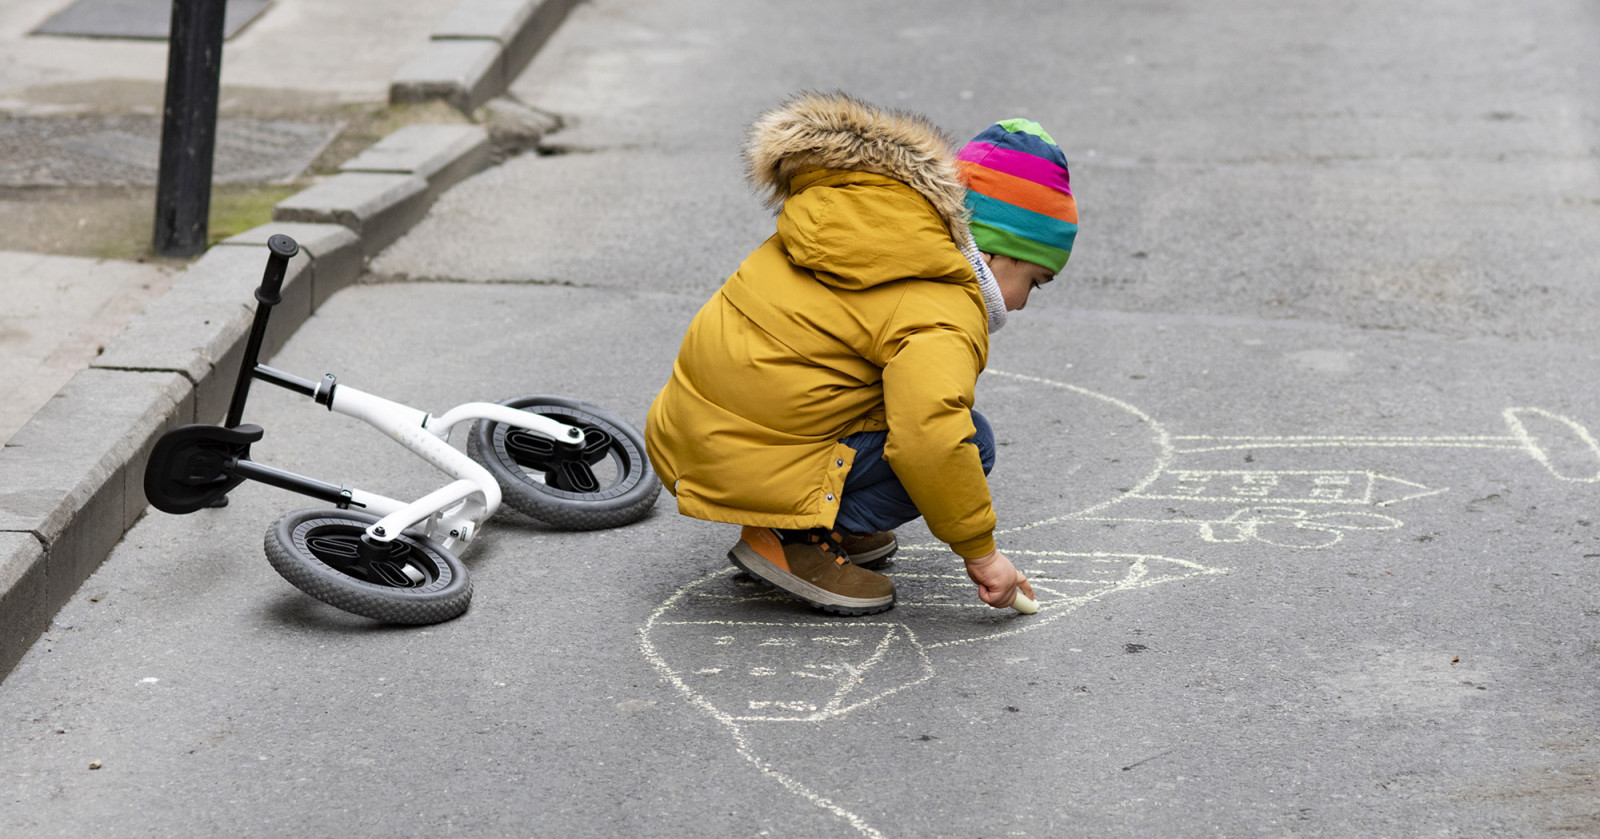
{"x":1299,"y":451}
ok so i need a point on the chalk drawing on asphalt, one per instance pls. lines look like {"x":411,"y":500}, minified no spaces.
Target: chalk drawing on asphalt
{"x":776,"y":668}
{"x":740,"y":654}
{"x":1293,"y":507}
{"x":1561,"y":444}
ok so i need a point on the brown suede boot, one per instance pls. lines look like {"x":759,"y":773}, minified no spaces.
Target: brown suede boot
{"x":872,"y":550}
{"x":814,"y":570}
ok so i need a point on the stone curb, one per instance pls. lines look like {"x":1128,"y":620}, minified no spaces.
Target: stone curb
{"x":477,"y":50}
{"x":442,"y":155}
{"x":72,"y":478}
{"x":387,"y":189}
{"x":377,"y":207}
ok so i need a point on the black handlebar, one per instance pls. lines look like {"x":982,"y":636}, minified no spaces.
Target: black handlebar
{"x":280,"y":249}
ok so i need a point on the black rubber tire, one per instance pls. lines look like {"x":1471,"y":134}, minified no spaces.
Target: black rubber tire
{"x":624,"y":497}
{"x":292,"y":546}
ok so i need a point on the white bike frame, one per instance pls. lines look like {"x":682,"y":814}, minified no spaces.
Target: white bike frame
{"x":452,"y":514}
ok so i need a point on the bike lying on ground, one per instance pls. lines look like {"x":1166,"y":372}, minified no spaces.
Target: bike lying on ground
{"x":561,"y":461}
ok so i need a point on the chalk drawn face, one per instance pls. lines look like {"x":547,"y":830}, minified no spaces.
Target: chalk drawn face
{"x":1017,"y":279}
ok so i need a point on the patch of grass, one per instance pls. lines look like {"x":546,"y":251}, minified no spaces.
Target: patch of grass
{"x":118,"y":222}
{"x":235,"y":209}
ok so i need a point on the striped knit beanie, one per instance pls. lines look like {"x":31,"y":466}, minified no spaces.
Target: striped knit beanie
{"x":1020,"y":193}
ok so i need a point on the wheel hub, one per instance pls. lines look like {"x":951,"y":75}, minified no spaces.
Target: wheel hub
{"x":565,"y":467}
{"x":382,"y":563}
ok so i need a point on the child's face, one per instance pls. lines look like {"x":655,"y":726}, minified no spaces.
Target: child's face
{"x":1017,"y":279}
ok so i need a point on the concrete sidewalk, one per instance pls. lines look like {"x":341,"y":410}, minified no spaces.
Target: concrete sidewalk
{"x":102,"y":356}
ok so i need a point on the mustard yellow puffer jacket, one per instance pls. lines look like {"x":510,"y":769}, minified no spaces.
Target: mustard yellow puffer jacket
{"x":859,"y":314}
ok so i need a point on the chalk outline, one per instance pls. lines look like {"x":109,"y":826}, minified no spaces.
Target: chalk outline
{"x":1519,"y":431}
{"x":1519,"y":439}
{"x":1250,"y":520}
{"x":1054,"y":610}
{"x":1366,"y":499}
{"x":834,"y":708}
{"x":740,"y":741}
{"x":1050,"y":612}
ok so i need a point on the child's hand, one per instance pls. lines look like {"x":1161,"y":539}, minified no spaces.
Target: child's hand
{"x":998,"y":580}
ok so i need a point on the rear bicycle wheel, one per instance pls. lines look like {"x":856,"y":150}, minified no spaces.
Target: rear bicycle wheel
{"x":608,"y":483}
{"x":418,"y":582}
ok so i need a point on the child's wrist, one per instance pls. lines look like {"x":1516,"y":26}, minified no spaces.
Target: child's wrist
{"x":980,"y":561}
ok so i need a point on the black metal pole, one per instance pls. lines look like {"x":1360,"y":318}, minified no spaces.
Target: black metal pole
{"x":189,"y":126}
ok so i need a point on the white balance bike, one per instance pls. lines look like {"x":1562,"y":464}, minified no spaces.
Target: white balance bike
{"x":564,"y":462}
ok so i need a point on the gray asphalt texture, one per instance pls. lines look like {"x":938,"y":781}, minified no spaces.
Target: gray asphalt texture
{"x":1298,"y":451}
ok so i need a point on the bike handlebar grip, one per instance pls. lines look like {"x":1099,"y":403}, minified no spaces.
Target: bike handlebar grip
{"x":280,"y":250}
{"x":283,"y":246}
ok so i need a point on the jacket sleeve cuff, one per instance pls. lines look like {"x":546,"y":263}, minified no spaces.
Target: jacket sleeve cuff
{"x":975,"y":548}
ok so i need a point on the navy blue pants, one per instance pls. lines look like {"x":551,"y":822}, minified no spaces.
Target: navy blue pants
{"x":873,"y":498}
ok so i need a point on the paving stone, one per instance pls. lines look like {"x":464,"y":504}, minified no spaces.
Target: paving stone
{"x":498,"y":20}
{"x":519,"y":27}
{"x":137,"y":19}
{"x":378,"y":207}
{"x":66,"y":476}
{"x":464,"y":73}
{"x":60,"y":313}
{"x":542,"y":22}
{"x":334,"y":250}
{"x":125,"y":149}
{"x":444,"y":155}
{"x":199,"y":327}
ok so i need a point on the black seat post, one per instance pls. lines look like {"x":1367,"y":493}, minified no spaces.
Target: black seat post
{"x":281,"y":249}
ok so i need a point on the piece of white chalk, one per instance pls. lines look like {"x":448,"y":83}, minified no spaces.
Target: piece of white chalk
{"x":1024,"y":604}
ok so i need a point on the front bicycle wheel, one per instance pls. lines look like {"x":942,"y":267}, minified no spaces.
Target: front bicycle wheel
{"x":608,"y":483}
{"x":418,"y":582}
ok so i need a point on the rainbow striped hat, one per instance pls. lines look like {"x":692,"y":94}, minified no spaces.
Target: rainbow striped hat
{"x":1020,"y":193}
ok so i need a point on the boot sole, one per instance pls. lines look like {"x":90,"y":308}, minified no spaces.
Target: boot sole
{"x":758,"y":567}
{"x":873,"y":560}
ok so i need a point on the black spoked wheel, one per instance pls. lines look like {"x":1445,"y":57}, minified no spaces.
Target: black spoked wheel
{"x":412,"y":580}
{"x":607,"y":482}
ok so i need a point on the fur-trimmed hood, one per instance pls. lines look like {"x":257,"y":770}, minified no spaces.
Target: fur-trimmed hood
{"x":838,"y":131}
